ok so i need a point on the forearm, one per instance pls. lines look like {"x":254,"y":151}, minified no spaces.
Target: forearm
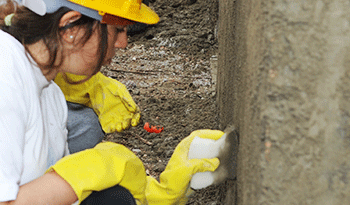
{"x":48,"y":189}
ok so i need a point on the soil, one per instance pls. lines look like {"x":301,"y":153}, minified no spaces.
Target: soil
{"x":167,"y":69}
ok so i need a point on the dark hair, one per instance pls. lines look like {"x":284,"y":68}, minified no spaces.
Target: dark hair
{"x":29,"y":27}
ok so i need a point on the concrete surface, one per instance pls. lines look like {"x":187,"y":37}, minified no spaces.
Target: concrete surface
{"x":284,"y":81}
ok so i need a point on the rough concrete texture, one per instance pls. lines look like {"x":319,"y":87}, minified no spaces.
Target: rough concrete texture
{"x":284,"y":81}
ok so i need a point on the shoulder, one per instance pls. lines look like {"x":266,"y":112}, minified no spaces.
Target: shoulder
{"x":11,"y":49}
{"x":10,"y":43}
{"x":14,"y":63}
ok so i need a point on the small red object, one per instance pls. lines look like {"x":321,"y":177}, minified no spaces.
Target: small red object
{"x":155,"y":130}
{"x":152,"y":128}
{"x":146,"y":127}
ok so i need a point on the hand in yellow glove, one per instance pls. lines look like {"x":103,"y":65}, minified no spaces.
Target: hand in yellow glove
{"x":173,"y":187}
{"x":104,"y":166}
{"x":108,"y":97}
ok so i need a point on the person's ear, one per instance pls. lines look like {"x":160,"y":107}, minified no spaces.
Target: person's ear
{"x":69,"y":17}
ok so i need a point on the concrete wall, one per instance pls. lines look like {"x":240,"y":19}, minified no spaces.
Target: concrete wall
{"x":284,"y":81}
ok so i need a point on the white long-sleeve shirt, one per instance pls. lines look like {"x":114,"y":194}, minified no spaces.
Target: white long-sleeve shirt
{"x":33,"y":117}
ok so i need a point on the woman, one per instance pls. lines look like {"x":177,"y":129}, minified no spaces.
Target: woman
{"x":38,"y":40}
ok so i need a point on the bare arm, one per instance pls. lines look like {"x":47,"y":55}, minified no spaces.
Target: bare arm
{"x":48,"y":189}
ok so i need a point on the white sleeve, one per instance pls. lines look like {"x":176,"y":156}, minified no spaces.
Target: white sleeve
{"x":12,"y":127}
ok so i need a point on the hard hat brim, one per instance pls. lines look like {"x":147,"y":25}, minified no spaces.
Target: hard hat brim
{"x":148,"y":16}
{"x":144,"y":15}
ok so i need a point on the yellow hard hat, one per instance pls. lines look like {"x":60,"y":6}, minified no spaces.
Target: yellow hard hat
{"x":103,"y":10}
{"x":133,"y":10}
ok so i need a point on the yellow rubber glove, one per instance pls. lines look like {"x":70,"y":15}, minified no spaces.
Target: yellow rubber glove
{"x":108,"y":97}
{"x":101,"y":167}
{"x":173,"y":187}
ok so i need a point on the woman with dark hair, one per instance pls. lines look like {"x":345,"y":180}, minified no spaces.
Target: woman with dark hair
{"x":38,"y":40}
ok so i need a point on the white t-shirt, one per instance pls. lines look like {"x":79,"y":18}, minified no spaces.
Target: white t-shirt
{"x":33,"y":119}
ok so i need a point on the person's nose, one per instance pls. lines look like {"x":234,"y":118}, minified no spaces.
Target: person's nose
{"x":122,"y":40}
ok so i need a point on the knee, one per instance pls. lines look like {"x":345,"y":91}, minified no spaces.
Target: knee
{"x":111,"y":196}
{"x":84,"y":129}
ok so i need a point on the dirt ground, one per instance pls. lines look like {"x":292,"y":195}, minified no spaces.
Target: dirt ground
{"x":167,"y":71}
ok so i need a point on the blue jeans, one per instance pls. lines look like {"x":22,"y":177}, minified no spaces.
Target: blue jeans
{"x":84,"y":132}
{"x":84,"y":128}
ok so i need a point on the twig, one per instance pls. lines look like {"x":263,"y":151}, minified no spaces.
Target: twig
{"x":144,"y":140}
{"x":153,"y":72}
{"x":137,"y":72}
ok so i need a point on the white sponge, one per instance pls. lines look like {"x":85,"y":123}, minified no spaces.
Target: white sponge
{"x":204,"y":148}
{"x":202,"y":180}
